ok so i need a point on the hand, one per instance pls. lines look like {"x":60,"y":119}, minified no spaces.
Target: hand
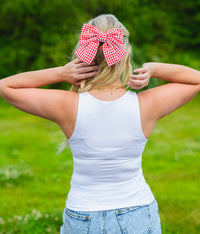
{"x":77,"y":70}
{"x":142,"y":79}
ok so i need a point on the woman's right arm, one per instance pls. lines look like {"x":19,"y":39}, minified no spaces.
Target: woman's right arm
{"x":174,"y":73}
{"x":160,"y":101}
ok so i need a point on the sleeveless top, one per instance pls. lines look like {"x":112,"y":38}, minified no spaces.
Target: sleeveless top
{"x":107,"y":146}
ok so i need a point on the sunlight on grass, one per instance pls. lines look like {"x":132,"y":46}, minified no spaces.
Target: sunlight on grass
{"x":35,"y":180}
{"x":171,"y":163}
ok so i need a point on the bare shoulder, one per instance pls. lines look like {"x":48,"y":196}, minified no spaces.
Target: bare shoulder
{"x":70,"y":96}
{"x":148,"y":119}
{"x":70,"y":103}
{"x":160,"y":101}
{"x":69,"y":112}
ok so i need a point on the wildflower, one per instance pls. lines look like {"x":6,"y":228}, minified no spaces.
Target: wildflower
{"x":49,"y":229}
{"x":2,"y":222}
{"x":10,"y":220}
{"x":17,"y":217}
{"x":37,"y":214}
{"x":26,"y":218}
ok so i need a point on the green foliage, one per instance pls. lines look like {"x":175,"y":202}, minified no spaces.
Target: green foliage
{"x":39,"y":34}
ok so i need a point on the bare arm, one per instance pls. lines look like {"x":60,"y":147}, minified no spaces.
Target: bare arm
{"x":32,"y":79}
{"x":22,"y":90}
{"x":173,"y":73}
{"x":158,"y":102}
{"x":72,"y":73}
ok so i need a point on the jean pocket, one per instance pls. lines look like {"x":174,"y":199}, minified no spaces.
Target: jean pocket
{"x":136,"y":220}
{"x":75,"y":223}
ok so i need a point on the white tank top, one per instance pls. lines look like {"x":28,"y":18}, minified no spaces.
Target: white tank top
{"x":107,"y":146}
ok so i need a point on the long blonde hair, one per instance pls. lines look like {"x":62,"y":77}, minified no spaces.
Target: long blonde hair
{"x":106,"y":76}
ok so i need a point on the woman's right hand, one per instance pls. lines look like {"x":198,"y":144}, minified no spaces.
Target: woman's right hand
{"x":76,"y":71}
{"x":140,"y":80}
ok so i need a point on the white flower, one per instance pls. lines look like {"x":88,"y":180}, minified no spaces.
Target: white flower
{"x":17,"y":217}
{"x":49,"y":229}
{"x":2,"y":222}
{"x":26,"y":218}
{"x":37,"y":214}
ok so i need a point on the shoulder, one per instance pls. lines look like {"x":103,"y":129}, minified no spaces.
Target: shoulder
{"x":70,"y":94}
{"x":70,"y":100}
{"x":69,"y":112}
{"x":68,"y":104}
{"x":147,"y":106}
{"x":160,"y":101}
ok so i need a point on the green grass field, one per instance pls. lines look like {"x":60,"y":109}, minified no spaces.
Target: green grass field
{"x":34,"y":180}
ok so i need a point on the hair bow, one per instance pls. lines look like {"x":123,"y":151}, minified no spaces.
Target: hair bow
{"x":90,"y":39}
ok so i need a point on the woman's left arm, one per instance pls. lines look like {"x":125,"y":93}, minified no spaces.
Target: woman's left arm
{"x":72,"y":73}
{"x":22,"y":90}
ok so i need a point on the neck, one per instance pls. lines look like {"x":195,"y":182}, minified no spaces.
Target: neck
{"x":109,"y":87}
{"x":116,"y":85}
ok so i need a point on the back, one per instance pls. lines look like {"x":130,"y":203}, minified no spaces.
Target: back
{"x":107,"y":146}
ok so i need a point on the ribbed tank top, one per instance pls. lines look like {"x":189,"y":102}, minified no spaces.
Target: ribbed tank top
{"x":107,"y":146}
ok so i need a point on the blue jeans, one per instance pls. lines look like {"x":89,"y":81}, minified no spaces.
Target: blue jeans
{"x":129,"y":220}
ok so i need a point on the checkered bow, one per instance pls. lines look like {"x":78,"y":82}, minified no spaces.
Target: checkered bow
{"x":90,"y":39}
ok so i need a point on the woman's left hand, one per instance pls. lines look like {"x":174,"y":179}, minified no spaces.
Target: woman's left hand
{"x":76,"y":71}
{"x":141,"y":80}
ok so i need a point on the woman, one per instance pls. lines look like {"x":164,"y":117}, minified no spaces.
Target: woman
{"x":107,"y":126}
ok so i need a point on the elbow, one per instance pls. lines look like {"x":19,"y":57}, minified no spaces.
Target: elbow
{"x":4,"y":90}
{"x":198,"y":87}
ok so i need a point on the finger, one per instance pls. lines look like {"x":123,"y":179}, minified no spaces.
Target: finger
{"x":144,"y":85}
{"x":78,"y":83}
{"x":140,"y":86}
{"x":137,"y":86}
{"x":137,"y":83}
{"x":83,"y":64}
{"x":140,"y":70}
{"x":76,"y":61}
{"x":132,"y":86}
{"x":87,"y":69}
{"x":139,"y":77}
{"x":79,"y":62}
{"x":87,"y":75}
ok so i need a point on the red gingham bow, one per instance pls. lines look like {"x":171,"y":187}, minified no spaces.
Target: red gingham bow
{"x":90,"y":39}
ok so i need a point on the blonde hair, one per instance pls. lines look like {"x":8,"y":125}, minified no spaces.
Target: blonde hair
{"x":106,"y":76}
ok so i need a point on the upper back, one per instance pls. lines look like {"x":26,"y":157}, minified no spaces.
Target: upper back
{"x":108,"y":126}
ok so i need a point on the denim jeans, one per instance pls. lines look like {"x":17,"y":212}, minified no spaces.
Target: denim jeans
{"x":128,"y":220}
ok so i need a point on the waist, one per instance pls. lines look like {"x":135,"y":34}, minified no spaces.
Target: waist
{"x":109,"y":195}
{"x":101,"y":173}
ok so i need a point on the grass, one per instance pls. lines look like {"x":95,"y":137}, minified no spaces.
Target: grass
{"x":34,"y":181}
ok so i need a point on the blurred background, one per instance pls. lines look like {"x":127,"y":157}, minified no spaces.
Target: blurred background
{"x":39,"y":34}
